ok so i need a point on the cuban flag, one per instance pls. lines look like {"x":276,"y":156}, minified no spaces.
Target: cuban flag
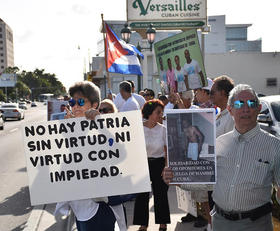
{"x":121,"y":57}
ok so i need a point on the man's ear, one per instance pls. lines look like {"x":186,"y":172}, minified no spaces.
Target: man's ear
{"x":259,"y":108}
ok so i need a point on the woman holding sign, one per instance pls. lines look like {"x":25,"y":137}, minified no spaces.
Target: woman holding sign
{"x":155,"y":137}
{"x":91,"y":214}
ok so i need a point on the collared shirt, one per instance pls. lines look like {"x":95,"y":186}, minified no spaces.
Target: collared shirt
{"x":247,"y":165}
{"x":224,"y":123}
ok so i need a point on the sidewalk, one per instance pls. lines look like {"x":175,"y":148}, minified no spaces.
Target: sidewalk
{"x":42,"y":219}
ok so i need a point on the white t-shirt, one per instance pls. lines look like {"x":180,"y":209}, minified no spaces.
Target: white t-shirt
{"x":192,"y":70}
{"x":140,"y":99}
{"x":130,"y":104}
{"x":180,"y":80}
{"x":155,"y":140}
{"x":119,"y":101}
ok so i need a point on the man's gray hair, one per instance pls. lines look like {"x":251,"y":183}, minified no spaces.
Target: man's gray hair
{"x":188,"y":95}
{"x":239,"y":88}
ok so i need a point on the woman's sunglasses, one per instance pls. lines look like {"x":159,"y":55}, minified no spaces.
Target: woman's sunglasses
{"x":105,"y":110}
{"x":80,"y":102}
{"x":250,"y":102}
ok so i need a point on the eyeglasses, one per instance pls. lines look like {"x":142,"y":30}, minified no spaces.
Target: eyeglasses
{"x":147,"y":95}
{"x":80,"y":102}
{"x":250,"y":102}
{"x":105,"y":110}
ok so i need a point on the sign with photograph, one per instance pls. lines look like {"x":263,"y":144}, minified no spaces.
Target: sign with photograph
{"x":8,"y":80}
{"x":191,"y":140}
{"x":75,"y":159}
{"x":56,"y":109}
{"x":180,"y":62}
{"x":168,"y":14}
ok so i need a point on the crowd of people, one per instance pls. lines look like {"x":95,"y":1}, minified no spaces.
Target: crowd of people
{"x":248,"y":159}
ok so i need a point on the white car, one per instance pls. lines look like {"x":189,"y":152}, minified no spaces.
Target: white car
{"x":11,"y":110}
{"x":269,"y":117}
{"x":23,"y":105}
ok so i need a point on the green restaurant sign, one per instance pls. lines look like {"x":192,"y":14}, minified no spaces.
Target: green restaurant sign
{"x":167,"y":14}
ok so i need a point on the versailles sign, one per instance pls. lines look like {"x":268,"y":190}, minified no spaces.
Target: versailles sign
{"x":167,"y":14}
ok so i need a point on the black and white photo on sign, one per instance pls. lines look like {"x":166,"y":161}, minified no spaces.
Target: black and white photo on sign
{"x":191,"y":145}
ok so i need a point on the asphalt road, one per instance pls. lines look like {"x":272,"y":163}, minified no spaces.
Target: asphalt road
{"x":15,"y":205}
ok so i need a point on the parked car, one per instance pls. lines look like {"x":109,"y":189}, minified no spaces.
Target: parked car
{"x":269,"y":117}
{"x":33,"y":104}
{"x":23,"y":105}
{"x":1,"y":121}
{"x":11,"y":110}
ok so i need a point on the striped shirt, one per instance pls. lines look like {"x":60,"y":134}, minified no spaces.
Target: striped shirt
{"x":247,"y":165}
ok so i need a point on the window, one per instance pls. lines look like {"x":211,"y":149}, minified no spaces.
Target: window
{"x":1,"y":54}
{"x":271,"y":82}
{"x":2,"y":60}
{"x":1,"y":48}
{"x":2,"y":67}
{"x":1,"y":42}
{"x":236,"y":33}
{"x":1,"y":36}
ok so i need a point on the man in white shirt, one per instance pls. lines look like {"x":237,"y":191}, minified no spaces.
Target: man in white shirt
{"x":194,"y":77}
{"x":219,"y":96}
{"x":131,"y":103}
{"x":140,"y":99}
{"x":119,"y":101}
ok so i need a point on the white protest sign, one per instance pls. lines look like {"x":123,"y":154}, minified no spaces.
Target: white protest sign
{"x":77,"y":158}
{"x":185,"y":201}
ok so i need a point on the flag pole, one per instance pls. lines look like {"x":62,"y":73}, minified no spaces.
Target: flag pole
{"x":105,"y":54}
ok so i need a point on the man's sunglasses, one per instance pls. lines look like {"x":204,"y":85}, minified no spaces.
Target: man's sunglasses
{"x":105,"y":110}
{"x":250,"y":102}
{"x":80,"y":102}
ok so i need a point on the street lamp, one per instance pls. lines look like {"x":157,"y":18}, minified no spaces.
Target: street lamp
{"x":126,"y":32}
{"x":151,"y":33}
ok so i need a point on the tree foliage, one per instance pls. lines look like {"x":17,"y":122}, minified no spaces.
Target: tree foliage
{"x":30,"y":84}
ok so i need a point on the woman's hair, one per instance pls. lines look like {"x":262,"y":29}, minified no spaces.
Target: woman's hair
{"x":88,"y":90}
{"x":110,"y":102}
{"x":150,"y":106}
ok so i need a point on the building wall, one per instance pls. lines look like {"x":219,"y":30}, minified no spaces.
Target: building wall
{"x":215,"y":41}
{"x":253,"y":68}
{"x":6,"y":46}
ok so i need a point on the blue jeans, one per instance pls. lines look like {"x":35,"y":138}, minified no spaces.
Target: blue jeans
{"x":104,"y":220}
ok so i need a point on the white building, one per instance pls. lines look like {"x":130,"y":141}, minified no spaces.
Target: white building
{"x":6,"y":46}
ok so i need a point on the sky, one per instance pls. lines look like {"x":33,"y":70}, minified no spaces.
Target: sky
{"x":49,"y":33}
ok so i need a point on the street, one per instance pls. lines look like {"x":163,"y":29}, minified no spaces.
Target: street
{"x":15,"y":205}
